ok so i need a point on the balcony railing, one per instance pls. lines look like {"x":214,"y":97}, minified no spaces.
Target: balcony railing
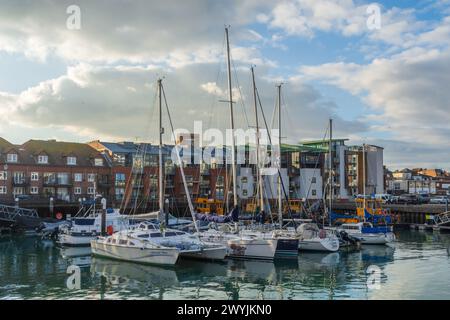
{"x":21,"y":181}
{"x":57,"y":182}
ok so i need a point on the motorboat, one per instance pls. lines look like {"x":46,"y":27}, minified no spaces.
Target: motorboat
{"x":82,"y":230}
{"x":367,"y":233}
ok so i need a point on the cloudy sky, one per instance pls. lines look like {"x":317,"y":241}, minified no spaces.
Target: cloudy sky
{"x":387,"y":86}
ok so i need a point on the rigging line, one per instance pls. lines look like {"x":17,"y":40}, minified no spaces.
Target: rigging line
{"x":316,"y":166}
{"x":173,"y":134}
{"x":219,"y":73}
{"x":240,"y":92}
{"x":286,"y":112}
{"x":125,"y":200}
{"x":278,"y":170}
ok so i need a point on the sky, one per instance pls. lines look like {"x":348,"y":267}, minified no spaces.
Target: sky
{"x":81,"y":77}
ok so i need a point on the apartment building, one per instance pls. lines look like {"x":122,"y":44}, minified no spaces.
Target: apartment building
{"x":52,"y":169}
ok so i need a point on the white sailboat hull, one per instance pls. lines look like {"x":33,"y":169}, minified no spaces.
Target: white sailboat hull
{"x":156,"y":256}
{"x":214,"y":253}
{"x":69,"y":240}
{"x":322,"y":245}
{"x":252,"y":248}
{"x":374,"y":238}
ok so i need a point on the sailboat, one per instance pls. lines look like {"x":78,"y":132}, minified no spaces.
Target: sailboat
{"x":286,"y":246}
{"x":153,"y":243}
{"x":239,"y":244}
{"x":291,"y":239}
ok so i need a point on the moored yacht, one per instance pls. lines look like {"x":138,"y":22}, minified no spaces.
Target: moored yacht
{"x":287,"y":246}
{"x":82,"y":230}
{"x":367,"y":233}
{"x":148,"y":243}
{"x":311,"y":238}
{"x":241,"y":245}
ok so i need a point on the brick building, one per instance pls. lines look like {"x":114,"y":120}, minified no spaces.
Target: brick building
{"x":49,"y":168}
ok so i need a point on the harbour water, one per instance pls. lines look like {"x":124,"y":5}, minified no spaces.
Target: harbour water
{"x":416,"y":267}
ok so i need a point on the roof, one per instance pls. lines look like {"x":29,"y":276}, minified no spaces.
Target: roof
{"x":5,"y":145}
{"x":324,"y":141}
{"x":301,"y":148}
{"x":57,"y":152}
{"x":131,"y":147}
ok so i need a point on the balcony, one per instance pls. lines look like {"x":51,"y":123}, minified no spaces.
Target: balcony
{"x":57,"y":183}
{"x":103,"y":183}
{"x":21,"y":182}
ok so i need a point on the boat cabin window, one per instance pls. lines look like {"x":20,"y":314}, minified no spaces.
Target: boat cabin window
{"x":155,"y":235}
{"x":113,"y":241}
{"x":130,"y":243}
{"x":170,"y":234}
{"x":109,"y":240}
{"x":143,"y":236}
{"x":180,"y":233}
{"x":121,"y":241}
{"x":351,"y":227}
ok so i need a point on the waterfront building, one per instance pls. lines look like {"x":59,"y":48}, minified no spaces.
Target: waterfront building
{"x":126,"y":173}
{"x":44,"y":169}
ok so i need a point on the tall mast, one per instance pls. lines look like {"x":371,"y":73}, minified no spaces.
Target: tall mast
{"x":160,"y":167}
{"x":258,"y":169}
{"x":330,"y":170}
{"x":230,"y":93}
{"x":364,"y":181}
{"x":280,"y":204}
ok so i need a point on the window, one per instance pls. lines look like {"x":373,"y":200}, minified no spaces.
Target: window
{"x":313,"y":180}
{"x":3,"y":175}
{"x":63,"y":178}
{"x":19,"y":177}
{"x":18,"y":191}
{"x":11,"y":157}
{"x":78,"y":177}
{"x":77,"y":190}
{"x":91,"y":177}
{"x":119,"y":193}
{"x":245,"y":192}
{"x":42,"y":159}
{"x":314,"y":192}
{"x":34,"y":190}
{"x":3,"y":190}
{"x":98,"y":162}
{"x":90,"y":190}
{"x":244,"y":179}
{"x":71,"y":161}
{"x":120,"y":179}
{"x":34,"y":176}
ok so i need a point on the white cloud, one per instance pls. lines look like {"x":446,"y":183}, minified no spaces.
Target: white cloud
{"x":407,"y":92}
{"x":102,"y":103}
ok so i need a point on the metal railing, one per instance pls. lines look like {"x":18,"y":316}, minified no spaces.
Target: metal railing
{"x":10,"y":213}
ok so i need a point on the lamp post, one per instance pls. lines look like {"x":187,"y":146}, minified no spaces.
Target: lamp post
{"x":166,"y":213}
{"x":51,"y":206}
{"x":103,"y":201}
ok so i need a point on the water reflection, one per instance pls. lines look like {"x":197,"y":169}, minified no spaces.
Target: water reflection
{"x":32,"y":268}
